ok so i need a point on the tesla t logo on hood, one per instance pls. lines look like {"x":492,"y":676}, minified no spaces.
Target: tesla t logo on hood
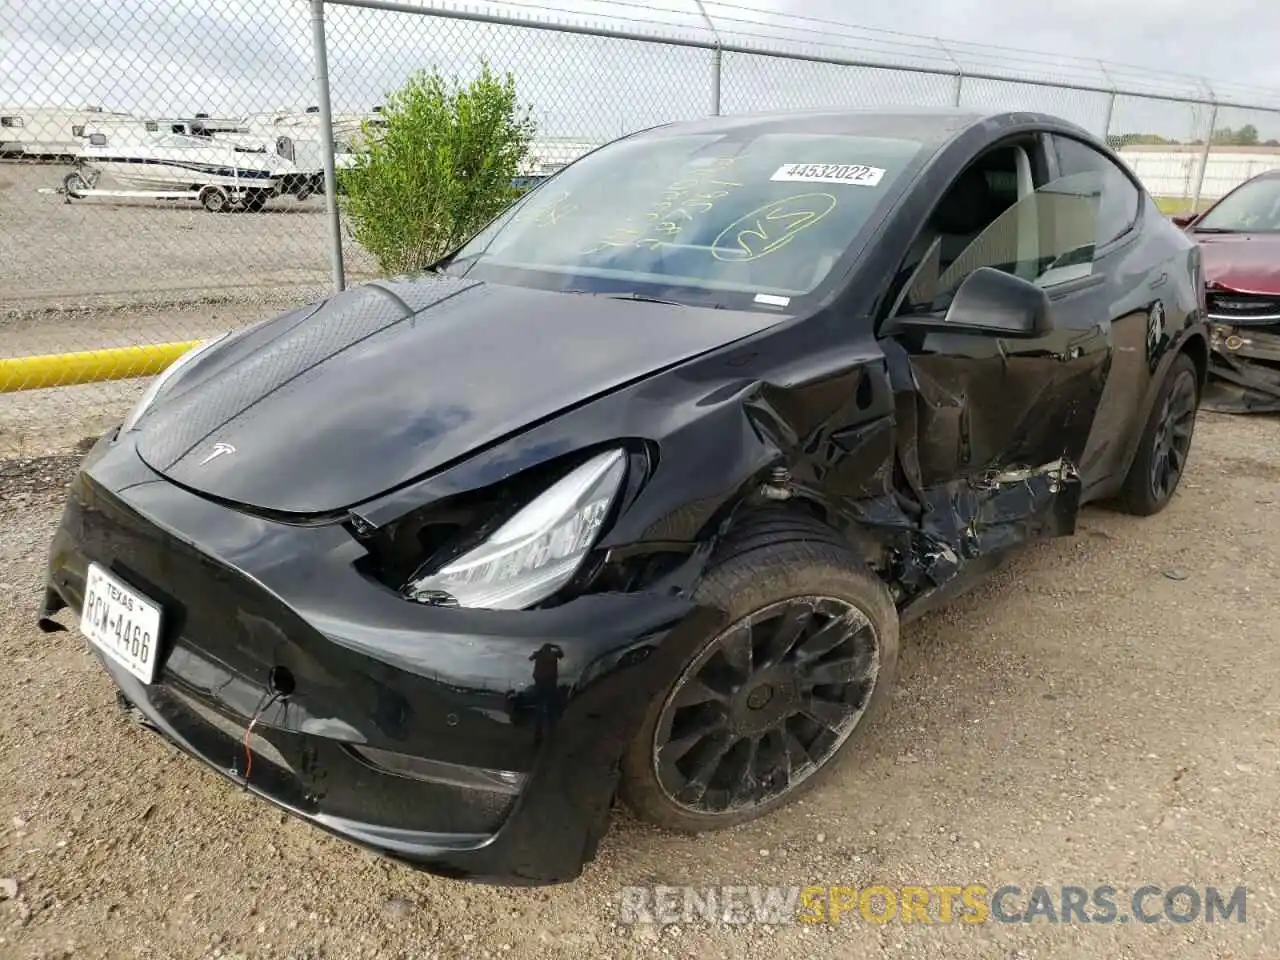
{"x":219,"y":449}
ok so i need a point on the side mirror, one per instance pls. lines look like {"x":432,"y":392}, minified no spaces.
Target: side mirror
{"x":993,"y":302}
{"x":1184,"y":220}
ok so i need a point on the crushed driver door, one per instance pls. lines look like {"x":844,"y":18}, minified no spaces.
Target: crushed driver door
{"x":993,"y":429}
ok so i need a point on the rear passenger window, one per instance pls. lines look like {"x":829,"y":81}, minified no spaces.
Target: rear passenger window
{"x":1120,"y":199}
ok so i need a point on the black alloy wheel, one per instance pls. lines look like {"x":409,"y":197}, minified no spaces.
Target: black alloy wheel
{"x":1165,"y":445}
{"x":765,"y":704}
{"x":1172,"y":442}
{"x":779,"y":697}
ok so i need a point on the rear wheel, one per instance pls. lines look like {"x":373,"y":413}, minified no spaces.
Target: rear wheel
{"x":215,"y":199}
{"x":1166,"y":442}
{"x":766,"y":707}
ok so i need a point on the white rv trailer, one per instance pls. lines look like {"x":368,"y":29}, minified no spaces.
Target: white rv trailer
{"x":201,"y":125}
{"x":305,"y":128}
{"x":300,"y":157}
{"x":47,"y":133}
{"x":297,"y":137}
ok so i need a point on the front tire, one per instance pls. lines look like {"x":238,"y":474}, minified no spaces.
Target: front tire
{"x":75,"y":185}
{"x":765,"y":709}
{"x":1162,"y":454}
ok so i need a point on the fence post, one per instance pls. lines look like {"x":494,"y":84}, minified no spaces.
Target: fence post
{"x":716,"y":56}
{"x":1111,"y":102}
{"x":959,"y":88}
{"x":326,"y":144}
{"x":1204,"y":159}
{"x":715,"y":81}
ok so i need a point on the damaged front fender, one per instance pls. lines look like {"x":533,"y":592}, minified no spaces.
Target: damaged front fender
{"x":731,"y":435}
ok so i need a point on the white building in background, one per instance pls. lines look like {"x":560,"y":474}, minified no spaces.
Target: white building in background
{"x":47,"y":132}
{"x":1172,"y":170}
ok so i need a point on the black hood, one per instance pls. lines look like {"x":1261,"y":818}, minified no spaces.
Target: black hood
{"x":323,"y":408}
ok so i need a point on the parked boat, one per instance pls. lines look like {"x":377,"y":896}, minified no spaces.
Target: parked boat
{"x":220,"y":174}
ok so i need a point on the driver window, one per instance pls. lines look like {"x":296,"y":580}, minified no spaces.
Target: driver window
{"x":1046,"y":237}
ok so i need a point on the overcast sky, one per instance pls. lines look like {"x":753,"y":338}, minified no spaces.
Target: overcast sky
{"x":1226,"y":40}
{"x":231,"y":57}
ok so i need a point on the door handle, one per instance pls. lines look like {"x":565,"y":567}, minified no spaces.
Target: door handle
{"x":1159,"y":281}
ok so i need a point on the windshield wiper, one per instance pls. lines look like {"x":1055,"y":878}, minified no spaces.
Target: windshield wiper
{"x":1195,"y":229}
{"x":444,"y":266}
{"x":644,"y":298}
{"x":629,"y":295}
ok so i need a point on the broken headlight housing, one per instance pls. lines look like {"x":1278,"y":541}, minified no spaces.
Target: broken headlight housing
{"x":537,"y":551}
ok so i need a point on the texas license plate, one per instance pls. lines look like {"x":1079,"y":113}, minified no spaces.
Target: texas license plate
{"x":121,"y":622}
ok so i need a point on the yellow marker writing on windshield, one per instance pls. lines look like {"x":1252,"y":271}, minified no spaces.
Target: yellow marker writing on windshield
{"x":555,"y":211}
{"x":770,"y":227}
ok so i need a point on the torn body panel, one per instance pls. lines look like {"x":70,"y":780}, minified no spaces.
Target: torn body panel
{"x":1244,"y":367}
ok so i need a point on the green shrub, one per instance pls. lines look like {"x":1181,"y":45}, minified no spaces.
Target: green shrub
{"x":440,"y":169}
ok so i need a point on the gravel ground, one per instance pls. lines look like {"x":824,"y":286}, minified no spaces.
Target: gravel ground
{"x":1104,"y":711}
{"x":103,"y":251}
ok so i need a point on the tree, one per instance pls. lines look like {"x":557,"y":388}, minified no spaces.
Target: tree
{"x":1246,"y":136}
{"x":1143,"y":139}
{"x":438,"y":167}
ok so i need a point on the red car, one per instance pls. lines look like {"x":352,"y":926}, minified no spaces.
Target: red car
{"x":1240,"y":237}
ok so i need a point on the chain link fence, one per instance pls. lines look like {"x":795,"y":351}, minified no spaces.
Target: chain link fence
{"x":162,"y":162}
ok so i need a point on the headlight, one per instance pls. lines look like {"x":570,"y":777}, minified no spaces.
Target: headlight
{"x":163,"y":376}
{"x":537,"y":551}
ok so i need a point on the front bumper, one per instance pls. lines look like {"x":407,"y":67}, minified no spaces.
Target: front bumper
{"x":550,"y":697}
{"x":1244,"y":369}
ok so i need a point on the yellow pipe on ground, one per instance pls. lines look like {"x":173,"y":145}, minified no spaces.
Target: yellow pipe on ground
{"x":89,"y":366}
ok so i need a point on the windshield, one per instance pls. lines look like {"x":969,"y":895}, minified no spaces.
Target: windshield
{"x":1253,"y":208}
{"x":179,"y":141}
{"x":742,"y":219}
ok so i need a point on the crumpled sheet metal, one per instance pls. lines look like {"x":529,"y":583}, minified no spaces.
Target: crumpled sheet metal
{"x":1244,"y":369}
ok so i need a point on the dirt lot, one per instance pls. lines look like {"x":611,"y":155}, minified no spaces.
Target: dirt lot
{"x":1104,"y":712}
{"x":105,"y":251}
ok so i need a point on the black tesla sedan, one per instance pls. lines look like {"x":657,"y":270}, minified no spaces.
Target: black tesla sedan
{"x":628,"y":497}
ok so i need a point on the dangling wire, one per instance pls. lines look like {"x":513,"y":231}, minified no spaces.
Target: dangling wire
{"x":248,"y":733}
